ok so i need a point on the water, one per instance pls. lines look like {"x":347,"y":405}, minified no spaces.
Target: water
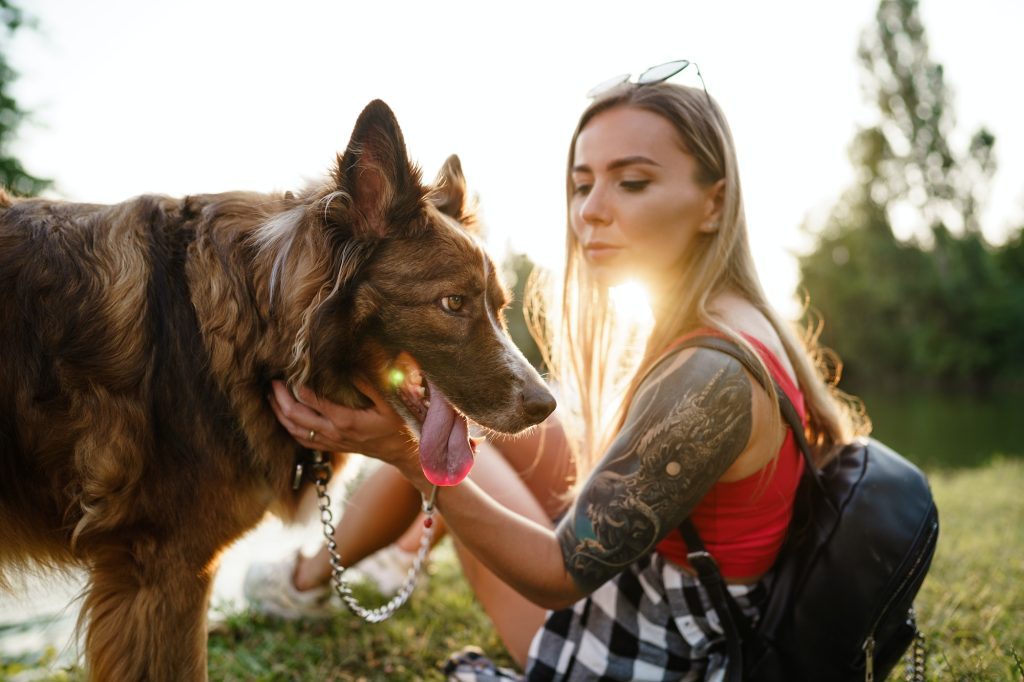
{"x":949,"y":431}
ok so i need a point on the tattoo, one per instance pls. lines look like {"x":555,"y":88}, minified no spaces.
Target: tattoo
{"x":687,"y":424}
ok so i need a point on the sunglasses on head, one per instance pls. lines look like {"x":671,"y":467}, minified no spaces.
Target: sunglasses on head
{"x":655,"y":74}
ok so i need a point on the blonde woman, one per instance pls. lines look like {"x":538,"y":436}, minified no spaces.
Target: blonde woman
{"x":606,"y":591}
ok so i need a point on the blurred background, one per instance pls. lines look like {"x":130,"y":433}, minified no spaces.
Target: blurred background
{"x":880,"y":144}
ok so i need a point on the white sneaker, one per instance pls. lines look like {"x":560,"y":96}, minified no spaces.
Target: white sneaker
{"x":269,"y":589}
{"x":386,"y":569}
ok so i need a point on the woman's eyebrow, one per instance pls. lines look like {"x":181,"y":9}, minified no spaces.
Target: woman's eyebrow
{"x":619,"y":163}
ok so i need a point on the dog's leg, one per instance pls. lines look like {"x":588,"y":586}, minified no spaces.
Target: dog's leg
{"x":146,"y":617}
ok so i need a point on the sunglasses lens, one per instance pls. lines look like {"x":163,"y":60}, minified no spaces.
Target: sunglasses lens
{"x":605,"y":86}
{"x":657,"y":74}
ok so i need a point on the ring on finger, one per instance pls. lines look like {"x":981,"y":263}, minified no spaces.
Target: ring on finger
{"x":312,"y":435}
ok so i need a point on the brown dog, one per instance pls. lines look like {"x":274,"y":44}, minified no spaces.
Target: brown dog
{"x":138,"y":341}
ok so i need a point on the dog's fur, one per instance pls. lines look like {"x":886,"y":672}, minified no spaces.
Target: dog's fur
{"x":138,"y":342}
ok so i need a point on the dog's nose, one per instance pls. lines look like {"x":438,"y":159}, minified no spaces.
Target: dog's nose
{"x":538,"y":403}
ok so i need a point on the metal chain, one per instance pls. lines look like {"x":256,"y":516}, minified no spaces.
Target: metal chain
{"x":915,"y":658}
{"x":380,"y":613}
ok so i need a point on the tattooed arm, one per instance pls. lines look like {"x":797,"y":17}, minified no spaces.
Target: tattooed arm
{"x":690,"y":420}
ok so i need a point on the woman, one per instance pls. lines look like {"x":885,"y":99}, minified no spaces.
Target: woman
{"x":654,"y":194}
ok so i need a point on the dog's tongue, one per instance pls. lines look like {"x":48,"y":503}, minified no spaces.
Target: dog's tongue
{"x":445,"y":452}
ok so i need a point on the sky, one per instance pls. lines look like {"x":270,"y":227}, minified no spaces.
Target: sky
{"x":132,"y":97}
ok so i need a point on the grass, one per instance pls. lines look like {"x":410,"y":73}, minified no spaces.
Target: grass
{"x":971,"y":606}
{"x":442,"y":616}
{"x":971,"y":609}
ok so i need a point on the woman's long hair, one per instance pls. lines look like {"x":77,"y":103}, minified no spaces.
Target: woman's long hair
{"x":584,"y":351}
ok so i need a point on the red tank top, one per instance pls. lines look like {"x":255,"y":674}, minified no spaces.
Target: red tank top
{"x":743,"y":523}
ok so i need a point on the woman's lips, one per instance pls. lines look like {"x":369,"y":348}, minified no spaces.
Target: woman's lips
{"x":599,"y":251}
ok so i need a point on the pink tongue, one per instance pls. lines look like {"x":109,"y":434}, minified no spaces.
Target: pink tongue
{"x":445,"y":452}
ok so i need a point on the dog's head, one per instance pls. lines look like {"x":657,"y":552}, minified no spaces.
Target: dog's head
{"x":415,"y":304}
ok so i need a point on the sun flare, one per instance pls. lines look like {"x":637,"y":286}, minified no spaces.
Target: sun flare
{"x":632,"y":303}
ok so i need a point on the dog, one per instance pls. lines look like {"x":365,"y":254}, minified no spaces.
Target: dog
{"x":138,"y":344}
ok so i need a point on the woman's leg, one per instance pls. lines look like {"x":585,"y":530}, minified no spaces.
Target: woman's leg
{"x":543,"y":459}
{"x":515,"y":618}
{"x":410,"y":540}
{"x":529,"y":474}
{"x":379,"y":511}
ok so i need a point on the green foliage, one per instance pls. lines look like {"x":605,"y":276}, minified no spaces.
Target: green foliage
{"x":12,"y":174}
{"x":899,"y":314}
{"x":908,"y":157}
{"x":518,"y":268}
{"x":945,"y":307}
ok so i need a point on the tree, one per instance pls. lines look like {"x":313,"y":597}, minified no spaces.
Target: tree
{"x":936,"y":308}
{"x":12,"y":174}
{"x":517,"y":269}
{"x":915,"y":163}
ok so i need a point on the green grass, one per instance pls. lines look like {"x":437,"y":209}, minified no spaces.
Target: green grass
{"x":442,"y":616}
{"x":971,"y":608}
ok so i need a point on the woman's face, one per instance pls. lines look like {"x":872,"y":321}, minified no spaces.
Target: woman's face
{"x":636,"y":206}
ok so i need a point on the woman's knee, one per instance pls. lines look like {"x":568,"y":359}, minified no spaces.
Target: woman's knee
{"x":544,"y":460}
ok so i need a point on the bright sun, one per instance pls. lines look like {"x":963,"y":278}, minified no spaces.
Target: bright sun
{"x":631,"y":302}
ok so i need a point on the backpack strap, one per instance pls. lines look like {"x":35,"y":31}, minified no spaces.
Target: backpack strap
{"x":735,"y":624}
{"x":789,"y":413}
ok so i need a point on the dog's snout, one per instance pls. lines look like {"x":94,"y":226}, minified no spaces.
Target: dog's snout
{"x":538,"y":403}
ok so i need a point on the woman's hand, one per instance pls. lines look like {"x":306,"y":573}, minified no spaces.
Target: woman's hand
{"x":319,"y":424}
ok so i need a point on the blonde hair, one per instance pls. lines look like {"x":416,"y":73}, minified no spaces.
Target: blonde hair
{"x":584,"y":351}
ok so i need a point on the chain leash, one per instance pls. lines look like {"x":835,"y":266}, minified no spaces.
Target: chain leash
{"x":321,"y":474}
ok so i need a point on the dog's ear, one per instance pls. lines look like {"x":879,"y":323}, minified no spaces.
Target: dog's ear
{"x":376,"y":173}
{"x":450,"y":196}
{"x":449,"y":192}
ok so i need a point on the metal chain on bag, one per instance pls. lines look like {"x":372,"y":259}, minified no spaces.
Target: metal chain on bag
{"x":914,"y":660}
{"x":321,"y":474}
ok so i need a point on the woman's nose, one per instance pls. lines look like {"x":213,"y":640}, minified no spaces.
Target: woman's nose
{"x":594,"y":210}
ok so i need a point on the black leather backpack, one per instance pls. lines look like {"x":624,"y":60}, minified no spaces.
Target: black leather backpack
{"x":840,"y":604}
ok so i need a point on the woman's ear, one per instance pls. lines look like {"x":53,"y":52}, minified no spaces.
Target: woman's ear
{"x":714,"y":200}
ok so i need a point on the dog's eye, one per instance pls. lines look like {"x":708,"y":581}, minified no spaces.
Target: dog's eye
{"x":452,"y":304}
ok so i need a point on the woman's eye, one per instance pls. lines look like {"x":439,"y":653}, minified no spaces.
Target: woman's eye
{"x":452,"y":304}
{"x":634,"y":185}
{"x":581,"y":189}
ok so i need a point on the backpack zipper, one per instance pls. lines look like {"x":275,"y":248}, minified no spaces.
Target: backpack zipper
{"x":869,"y":644}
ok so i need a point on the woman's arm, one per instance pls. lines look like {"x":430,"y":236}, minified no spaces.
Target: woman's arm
{"x":689,"y":421}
